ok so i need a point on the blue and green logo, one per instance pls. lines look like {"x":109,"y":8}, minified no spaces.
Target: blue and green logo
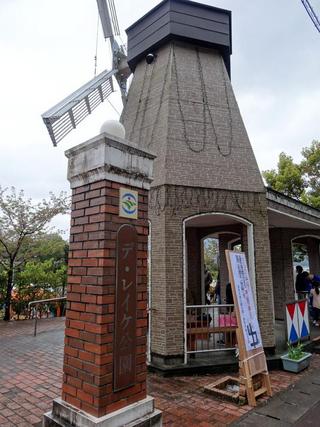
{"x":129,"y":203}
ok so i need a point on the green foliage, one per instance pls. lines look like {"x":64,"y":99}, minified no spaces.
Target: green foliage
{"x":22,"y":223}
{"x":310,"y":166}
{"x":295,"y":352}
{"x":287,"y":179}
{"x":300,"y":181}
{"x":299,"y":252}
{"x":211,"y":252}
{"x":40,"y":280}
{"x":49,"y":246}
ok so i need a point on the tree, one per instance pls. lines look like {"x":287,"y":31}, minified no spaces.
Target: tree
{"x":310,"y":166}
{"x":298,"y":180}
{"x":45,"y":275}
{"x":21,"y":223}
{"x":50,"y":246}
{"x":2,"y":287}
{"x":299,"y":252}
{"x":287,"y":179}
{"x":40,"y":280}
{"x":211,"y":253}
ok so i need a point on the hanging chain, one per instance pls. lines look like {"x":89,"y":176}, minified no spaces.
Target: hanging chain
{"x":147,"y":99}
{"x":185,"y":136}
{"x":139,"y":102}
{"x":205,"y":107}
{"x":161,"y":97}
{"x":206,"y":102}
{"x":229,"y":109}
{"x":205,"y":99}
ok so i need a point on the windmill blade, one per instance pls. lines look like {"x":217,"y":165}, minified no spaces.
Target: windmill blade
{"x":314,"y":18}
{"x":65,"y":116}
{"x":115,"y":23}
{"x":105,"y":18}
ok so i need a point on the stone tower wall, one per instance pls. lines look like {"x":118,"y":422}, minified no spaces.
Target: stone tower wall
{"x":183,"y":108}
{"x":282,"y":264}
{"x":169,"y":206}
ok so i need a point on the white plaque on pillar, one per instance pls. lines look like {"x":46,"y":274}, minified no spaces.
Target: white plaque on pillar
{"x":128,"y":203}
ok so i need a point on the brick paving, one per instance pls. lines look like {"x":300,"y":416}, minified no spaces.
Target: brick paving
{"x":31,"y":377}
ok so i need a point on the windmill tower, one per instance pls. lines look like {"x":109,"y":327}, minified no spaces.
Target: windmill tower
{"x":182,"y":107}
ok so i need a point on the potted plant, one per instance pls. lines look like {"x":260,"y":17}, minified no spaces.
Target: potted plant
{"x":296,"y":359}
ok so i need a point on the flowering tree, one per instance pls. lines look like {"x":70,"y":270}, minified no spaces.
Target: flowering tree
{"x":21,"y":222}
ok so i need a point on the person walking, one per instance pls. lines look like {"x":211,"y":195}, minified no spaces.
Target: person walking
{"x":299,"y":285}
{"x":315,"y":292}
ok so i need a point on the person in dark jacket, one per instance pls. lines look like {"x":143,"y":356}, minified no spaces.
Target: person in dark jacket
{"x":300,"y":279}
{"x":229,"y":296}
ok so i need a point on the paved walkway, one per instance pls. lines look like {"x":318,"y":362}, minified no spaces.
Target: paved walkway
{"x":297,"y":406}
{"x":31,"y":375}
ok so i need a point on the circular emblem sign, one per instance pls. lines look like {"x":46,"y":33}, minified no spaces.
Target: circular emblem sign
{"x":129,"y":204}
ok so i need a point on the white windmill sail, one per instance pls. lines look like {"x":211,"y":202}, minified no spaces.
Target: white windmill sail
{"x":67,"y":114}
{"x":108,"y":19}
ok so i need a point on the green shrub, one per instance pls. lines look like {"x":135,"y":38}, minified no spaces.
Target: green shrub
{"x":295,"y":352}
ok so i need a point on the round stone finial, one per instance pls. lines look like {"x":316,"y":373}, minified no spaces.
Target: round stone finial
{"x":114,"y":128}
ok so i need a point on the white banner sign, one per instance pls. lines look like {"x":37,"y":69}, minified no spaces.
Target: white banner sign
{"x":247,"y":309}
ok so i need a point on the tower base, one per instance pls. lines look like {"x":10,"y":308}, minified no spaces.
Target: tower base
{"x":139,"y":414}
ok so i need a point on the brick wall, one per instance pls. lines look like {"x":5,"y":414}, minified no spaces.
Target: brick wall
{"x":168,"y":207}
{"x":224,"y":274}
{"x":88,"y":360}
{"x":183,"y":108}
{"x":314,"y":255}
{"x":194,"y":267}
{"x":282,"y":263}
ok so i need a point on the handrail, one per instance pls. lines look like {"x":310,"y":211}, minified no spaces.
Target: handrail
{"x":41,"y":301}
{"x":210,"y":328}
{"x":210,"y":305}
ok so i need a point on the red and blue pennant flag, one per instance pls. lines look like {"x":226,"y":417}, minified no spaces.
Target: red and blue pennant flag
{"x":297,"y":321}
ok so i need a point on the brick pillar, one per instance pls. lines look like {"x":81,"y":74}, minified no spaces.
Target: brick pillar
{"x":194,"y":267}
{"x":313,"y":254}
{"x":223,"y":269}
{"x":282,"y":270}
{"x":98,"y":170}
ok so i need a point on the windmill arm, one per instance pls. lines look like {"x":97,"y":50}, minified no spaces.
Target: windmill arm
{"x":67,"y":114}
{"x":314,"y":18}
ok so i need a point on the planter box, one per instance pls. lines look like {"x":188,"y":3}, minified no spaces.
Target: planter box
{"x":227,"y":388}
{"x":296,"y":365}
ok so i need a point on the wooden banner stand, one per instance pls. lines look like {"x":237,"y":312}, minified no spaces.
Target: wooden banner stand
{"x":254,"y":374}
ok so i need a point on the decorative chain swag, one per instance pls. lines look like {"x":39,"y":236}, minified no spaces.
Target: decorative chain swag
{"x":177,"y":198}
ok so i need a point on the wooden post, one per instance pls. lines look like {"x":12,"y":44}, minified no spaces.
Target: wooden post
{"x":252,"y":361}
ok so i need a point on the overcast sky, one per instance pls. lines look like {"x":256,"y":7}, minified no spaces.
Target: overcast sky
{"x":47,"y":51}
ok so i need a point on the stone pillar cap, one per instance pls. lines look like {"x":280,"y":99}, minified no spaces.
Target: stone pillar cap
{"x":109,"y":157}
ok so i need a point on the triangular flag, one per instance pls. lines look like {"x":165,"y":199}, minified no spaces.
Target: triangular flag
{"x":304,"y":330}
{"x":293,"y":335}
{"x":302,"y":306}
{"x":291,"y":309}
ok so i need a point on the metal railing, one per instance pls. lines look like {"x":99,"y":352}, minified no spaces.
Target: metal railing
{"x":37,"y":303}
{"x":210,"y":328}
